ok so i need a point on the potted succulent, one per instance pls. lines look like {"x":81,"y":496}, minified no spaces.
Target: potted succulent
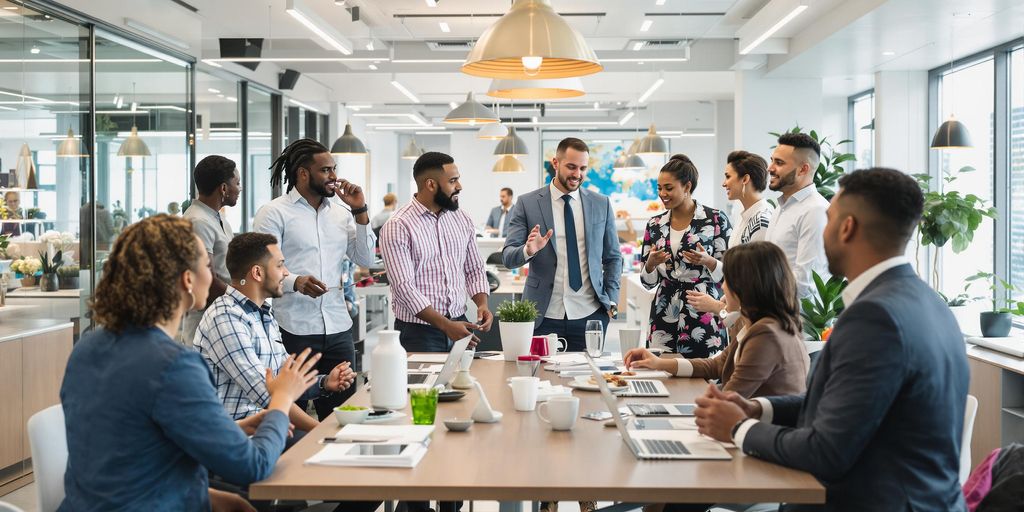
{"x":820,"y":312}
{"x":49,"y":282}
{"x":26,"y":269}
{"x":515,"y":325}
{"x":68,"y":277}
{"x":961,"y":305}
{"x":997,"y":322}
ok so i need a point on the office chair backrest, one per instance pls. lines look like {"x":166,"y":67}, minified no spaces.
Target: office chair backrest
{"x":49,"y":441}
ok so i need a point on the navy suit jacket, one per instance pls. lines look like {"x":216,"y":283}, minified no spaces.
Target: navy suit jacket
{"x":881,"y":421}
{"x":603,"y":255}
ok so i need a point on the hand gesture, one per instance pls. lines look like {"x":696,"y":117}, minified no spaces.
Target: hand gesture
{"x":223,"y":501}
{"x":703,"y":302}
{"x":310,"y":286}
{"x":699,"y":256}
{"x":351,"y":194}
{"x":456,"y":330}
{"x":484,"y":318}
{"x":250,"y":424}
{"x":340,"y":378}
{"x":656,"y":258}
{"x":643,"y":358}
{"x":296,"y":375}
{"x":718,"y":412}
{"x":535,"y":242}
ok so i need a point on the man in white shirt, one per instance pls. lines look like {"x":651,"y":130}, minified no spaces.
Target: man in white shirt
{"x":497,"y":221}
{"x":800,"y":219}
{"x":881,"y":422}
{"x":316,"y":235}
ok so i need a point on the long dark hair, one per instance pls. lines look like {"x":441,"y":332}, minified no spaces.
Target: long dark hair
{"x":758,"y":274}
{"x":297,"y":154}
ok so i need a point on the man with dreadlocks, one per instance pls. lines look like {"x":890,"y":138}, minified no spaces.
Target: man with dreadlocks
{"x":316,"y":235}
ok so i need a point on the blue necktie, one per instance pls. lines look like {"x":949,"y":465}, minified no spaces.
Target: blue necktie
{"x":571,"y":249}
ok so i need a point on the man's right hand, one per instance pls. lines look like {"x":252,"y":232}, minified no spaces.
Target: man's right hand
{"x":535,"y":242}
{"x":296,"y":375}
{"x":655,"y":258}
{"x":456,"y":330}
{"x":752,"y":408}
{"x":311,"y":286}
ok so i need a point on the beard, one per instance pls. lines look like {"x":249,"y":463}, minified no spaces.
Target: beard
{"x":321,"y":189}
{"x":445,"y":201}
{"x":274,"y":290}
{"x":784,"y":181}
{"x":565,"y":183}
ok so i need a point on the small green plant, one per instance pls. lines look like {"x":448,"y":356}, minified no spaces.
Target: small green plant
{"x":50,"y":266}
{"x":5,"y":240}
{"x":1000,"y":289}
{"x":826,"y":176}
{"x":517,"y":311}
{"x":67,"y":271}
{"x":820,"y":312}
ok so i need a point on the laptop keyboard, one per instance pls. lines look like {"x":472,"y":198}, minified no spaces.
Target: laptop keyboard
{"x":648,"y":410}
{"x":643,"y":387}
{"x":664,"y":447}
{"x":418,"y":378}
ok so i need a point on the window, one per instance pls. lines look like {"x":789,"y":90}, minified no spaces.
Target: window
{"x":1016,"y":164}
{"x":862,"y":128}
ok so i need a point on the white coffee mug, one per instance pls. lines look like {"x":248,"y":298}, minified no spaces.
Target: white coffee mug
{"x":629,"y":339}
{"x":561,"y":412}
{"x":556,"y":344}
{"x":467,"y":359}
{"x":524,"y":392}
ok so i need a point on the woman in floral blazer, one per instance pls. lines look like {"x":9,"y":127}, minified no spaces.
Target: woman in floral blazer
{"x":672,"y":238}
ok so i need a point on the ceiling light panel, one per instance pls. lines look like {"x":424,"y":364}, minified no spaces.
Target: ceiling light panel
{"x":319,"y":27}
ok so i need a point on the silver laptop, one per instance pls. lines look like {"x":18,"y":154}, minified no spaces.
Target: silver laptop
{"x":652,"y":448}
{"x":661,"y":410}
{"x":644,"y":387}
{"x":447,"y":371}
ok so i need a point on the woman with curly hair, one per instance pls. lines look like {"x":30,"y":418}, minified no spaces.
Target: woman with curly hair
{"x":144,"y":424}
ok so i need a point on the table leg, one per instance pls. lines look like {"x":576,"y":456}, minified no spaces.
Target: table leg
{"x":510,"y":506}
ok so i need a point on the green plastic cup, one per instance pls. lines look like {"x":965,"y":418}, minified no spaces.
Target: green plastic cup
{"x":424,"y":405}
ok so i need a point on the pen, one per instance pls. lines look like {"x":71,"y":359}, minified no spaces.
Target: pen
{"x":348,"y":440}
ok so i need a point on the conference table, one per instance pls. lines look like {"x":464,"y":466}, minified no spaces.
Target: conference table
{"x":521,"y":459}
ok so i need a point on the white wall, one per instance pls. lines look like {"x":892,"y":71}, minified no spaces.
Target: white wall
{"x":773,"y":105}
{"x":901,"y":120}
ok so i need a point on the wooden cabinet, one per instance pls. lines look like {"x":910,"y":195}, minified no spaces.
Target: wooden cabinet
{"x":997,"y":380}
{"x":11,"y":426}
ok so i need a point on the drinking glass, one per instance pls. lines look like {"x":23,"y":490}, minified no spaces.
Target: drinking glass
{"x":595,"y":338}
{"x":424,"y":405}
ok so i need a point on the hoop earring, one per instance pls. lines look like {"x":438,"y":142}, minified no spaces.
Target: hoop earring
{"x":743,"y":191}
{"x":242,"y":282}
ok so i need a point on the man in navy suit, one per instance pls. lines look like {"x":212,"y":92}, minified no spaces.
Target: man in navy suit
{"x":576,"y":277}
{"x":497,"y":221}
{"x":881,"y":421}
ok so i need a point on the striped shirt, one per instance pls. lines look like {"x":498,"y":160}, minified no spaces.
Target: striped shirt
{"x":238,"y":340}
{"x":431,"y":260}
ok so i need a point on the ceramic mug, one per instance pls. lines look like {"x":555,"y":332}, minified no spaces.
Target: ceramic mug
{"x":561,"y":412}
{"x":556,"y":344}
{"x":629,"y":339}
{"x":524,"y":392}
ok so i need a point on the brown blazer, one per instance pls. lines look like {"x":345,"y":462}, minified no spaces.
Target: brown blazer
{"x":770,"y":362}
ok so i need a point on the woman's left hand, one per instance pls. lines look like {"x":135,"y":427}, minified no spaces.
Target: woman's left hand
{"x":700,"y":257}
{"x":703,"y":302}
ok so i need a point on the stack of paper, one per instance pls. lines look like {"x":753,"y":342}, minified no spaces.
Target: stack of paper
{"x":1011,"y":346}
{"x":398,"y":446}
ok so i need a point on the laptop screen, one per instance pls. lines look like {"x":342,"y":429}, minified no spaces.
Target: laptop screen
{"x":609,"y":401}
{"x":452,"y":363}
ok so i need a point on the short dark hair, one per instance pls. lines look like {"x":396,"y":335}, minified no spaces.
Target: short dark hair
{"x":800,"y":141}
{"x":758,"y":274}
{"x":682,"y":169}
{"x":212,"y":172}
{"x":430,"y":161}
{"x":894,"y":203}
{"x":572,"y":142}
{"x":508,"y":190}
{"x":246,"y":250}
{"x":745,"y":163}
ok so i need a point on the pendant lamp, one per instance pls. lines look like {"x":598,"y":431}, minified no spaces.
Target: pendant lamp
{"x":133,"y":145}
{"x":952,"y":134}
{"x":536,"y":89}
{"x":492,"y":131}
{"x":412,"y":151}
{"x":25,"y":170}
{"x":633,"y":160}
{"x":508,"y":164}
{"x":348,"y":143}
{"x":531,"y":41}
{"x":71,"y":147}
{"x":471,"y":112}
{"x":512,"y":144}
{"x":652,"y":144}
{"x":620,"y":162}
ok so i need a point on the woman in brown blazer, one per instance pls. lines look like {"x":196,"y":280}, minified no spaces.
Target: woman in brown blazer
{"x":768,"y":356}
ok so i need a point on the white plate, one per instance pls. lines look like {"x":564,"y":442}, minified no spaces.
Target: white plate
{"x":583,"y":383}
{"x":391,"y":415}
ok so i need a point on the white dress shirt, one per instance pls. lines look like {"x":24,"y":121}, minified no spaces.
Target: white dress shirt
{"x":566,"y":303}
{"x":314,"y":243}
{"x":850,"y":293}
{"x":797,"y":227}
{"x":749,"y":229}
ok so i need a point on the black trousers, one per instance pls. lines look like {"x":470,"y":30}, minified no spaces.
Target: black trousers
{"x":574,"y":331}
{"x":335,"y":349}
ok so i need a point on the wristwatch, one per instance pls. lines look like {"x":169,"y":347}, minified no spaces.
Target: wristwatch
{"x":357,"y":211}
{"x":723,"y":313}
{"x":321,"y":383}
{"x":614,"y":310}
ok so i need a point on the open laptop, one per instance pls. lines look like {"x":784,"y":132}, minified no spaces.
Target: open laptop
{"x":447,"y":371}
{"x":661,"y":410}
{"x":653,"y":447}
{"x":644,"y":387}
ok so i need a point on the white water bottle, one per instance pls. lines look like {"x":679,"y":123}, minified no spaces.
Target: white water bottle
{"x":388,"y":378}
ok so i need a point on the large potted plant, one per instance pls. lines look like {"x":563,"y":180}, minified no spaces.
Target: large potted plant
{"x":826,"y":176}
{"x":49,"y":282}
{"x":997,"y":322}
{"x":820,"y":312}
{"x":515,"y":325}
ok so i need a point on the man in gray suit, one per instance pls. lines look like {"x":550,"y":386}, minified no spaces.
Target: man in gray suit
{"x":575,"y":278}
{"x":881,"y":421}
{"x":497,"y":221}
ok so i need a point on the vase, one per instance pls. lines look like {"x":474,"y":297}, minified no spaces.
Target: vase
{"x":49,"y":282}
{"x":28,"y":281}
{"x":515,"y":339}
{"x":389,"y":379}
{"x":69,"y":283}
{"x":995,"y":325}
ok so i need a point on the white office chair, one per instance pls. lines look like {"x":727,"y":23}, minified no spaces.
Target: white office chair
{"x":7,"y":507}
{"x":49,"y":443}
{"x":965,"y":441}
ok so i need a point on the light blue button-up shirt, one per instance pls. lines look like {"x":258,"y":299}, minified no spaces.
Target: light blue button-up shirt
{"x":315,"y":243}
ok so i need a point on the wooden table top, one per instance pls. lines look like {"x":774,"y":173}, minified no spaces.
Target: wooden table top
{"x":521,"y":459}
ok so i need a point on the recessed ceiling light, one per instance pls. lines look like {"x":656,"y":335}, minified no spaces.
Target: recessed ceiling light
{"x":231,"y":98}
{"x":640,"y":63}
{"x":34,"y":50}
{"x":659,"y":2}
{"x":888,"y":53}
{"x":646,"y":25}
{"x":11,"y":8}
{"x":444,"y":27}
{"x":369,"y":46}
{"x":373,"y":67}
{"x":452,"y":104}
{"x":597,"y":105}
{"x":215,"y":91}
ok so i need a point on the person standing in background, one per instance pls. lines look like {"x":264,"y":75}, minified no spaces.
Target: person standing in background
{"x":390,"y":202}
{"x":497,"y":221}
{"x":218,"y":185}
{"x":316,"y":235}
{"x":12,"y":203}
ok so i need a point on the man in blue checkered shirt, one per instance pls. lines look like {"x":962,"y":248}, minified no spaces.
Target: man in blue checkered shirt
{"x":240,"y":340}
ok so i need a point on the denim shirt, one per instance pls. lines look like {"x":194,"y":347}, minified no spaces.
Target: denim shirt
{"x":144,"y":425}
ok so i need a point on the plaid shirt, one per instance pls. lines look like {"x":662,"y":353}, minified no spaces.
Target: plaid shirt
{"x":238,"y":340}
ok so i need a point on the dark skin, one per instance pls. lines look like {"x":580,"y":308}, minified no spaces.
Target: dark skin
{"x":314,"y":182}
{"x":224,"y":195}
{"x":446,"y":181}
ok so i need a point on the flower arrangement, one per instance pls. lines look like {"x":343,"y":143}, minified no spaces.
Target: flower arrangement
{"x":59,"y":240}
{"x":27,"y":266}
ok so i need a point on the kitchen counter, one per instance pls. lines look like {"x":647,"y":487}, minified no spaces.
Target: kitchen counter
{"x":17,"y":328}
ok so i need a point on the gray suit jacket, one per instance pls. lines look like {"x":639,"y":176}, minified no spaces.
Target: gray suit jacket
{"x":603,"y":253}
{"x":881,"y":421}
{"x":495,"y":216}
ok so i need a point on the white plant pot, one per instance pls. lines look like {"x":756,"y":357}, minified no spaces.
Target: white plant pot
{"x":515,"y":339}
{"x":967,"y":316}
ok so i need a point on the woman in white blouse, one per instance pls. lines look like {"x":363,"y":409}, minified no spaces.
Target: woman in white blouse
{"x":746,"y":177}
